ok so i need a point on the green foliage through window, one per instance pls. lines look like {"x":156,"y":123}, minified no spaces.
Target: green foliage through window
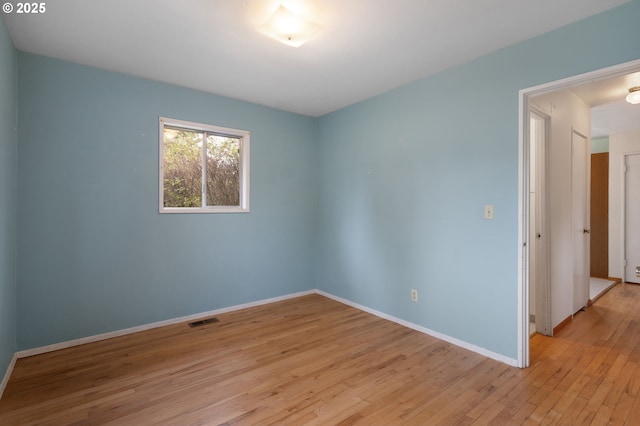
{"x":201,"y":169}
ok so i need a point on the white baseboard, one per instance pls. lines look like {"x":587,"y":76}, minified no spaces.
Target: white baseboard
{"x":144,"y":327}
{"x":63,"y":345}
{"x":465,"y":345}
{"x":7,"y":374}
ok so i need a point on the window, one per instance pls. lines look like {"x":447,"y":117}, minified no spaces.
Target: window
{"x":203,"y":168}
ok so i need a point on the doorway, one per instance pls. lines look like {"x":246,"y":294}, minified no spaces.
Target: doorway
{"x":599,"y":246}
{"x":527,"y":219}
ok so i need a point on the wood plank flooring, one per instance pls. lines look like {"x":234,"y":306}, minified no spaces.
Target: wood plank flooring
{"x":314,"y":361}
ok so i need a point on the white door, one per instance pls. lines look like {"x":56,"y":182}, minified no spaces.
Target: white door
{"x":580,"y":232}
{"x":538,"y":273}
{"x":632,"y":217}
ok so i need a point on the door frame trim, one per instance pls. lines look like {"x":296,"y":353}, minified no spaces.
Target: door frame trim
{"x":623,"y":212}
{"x":524,"y":106}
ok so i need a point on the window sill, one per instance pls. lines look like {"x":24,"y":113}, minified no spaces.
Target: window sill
{"x":189,"y":210}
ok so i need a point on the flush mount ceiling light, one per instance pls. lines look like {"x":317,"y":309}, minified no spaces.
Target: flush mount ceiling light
{"x":289,"y":28}
{"x":634,"y":95}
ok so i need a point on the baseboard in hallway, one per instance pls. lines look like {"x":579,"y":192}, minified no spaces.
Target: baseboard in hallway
{"x":598,"y":287}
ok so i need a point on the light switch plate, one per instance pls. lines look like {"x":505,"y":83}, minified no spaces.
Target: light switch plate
{"x":488,"y":211}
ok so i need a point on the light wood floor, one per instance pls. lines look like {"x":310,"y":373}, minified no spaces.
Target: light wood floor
{"x":312,"y":360}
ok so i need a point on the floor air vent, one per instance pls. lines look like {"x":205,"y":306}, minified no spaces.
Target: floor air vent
{"x":203,"y":322}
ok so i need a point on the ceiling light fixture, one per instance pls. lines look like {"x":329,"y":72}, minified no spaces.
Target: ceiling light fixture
{"x":634,"y":95}
{"x":289,"y":28}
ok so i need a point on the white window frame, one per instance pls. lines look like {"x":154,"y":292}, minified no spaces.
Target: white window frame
{"x":243,"y":164}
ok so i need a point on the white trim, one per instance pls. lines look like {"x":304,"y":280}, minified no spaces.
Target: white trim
{"x":7,"y":374}
{"x":543,"y":263}
{"x":580,"y":79}
{"x":623,"y":219}
{"x":123,"y":332}
{"x":144,"y":327}
{"x":523,"y":187}
{"x":523,"y":232}
{"x":623,"y":213}
{"x":216,"y":209}
{"x":465,"y":345}
{"x":244,"y":166}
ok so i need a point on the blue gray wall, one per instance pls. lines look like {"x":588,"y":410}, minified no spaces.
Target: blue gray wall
{"x":8,"y":164}
{"x":365,"y":203}
{"x":404,"y":177}
{"x":95,"y":255}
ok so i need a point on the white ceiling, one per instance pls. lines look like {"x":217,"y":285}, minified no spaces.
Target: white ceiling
{"x":367,"y":47}
{"x":614,"y":117}
{"x":610,"y":112}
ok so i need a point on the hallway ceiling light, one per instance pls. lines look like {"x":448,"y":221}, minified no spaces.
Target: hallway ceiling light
{"x":634,"y":95}
{"x":289,"y":28}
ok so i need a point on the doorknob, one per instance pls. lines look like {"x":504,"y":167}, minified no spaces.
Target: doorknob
{"x":586,"y":231}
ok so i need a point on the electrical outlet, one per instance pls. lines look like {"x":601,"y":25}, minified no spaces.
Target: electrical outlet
{"x":414,"y":295}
